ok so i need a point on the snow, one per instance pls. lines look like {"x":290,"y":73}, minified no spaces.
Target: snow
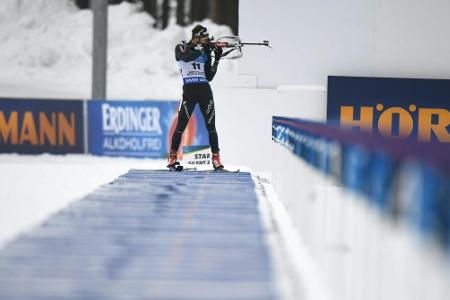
{"x":34,"y":187}
{"x":298,"y":277}
{"x":50,"y":41}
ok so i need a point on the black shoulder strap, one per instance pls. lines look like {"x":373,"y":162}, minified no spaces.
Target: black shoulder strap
{"x":227,"y":52}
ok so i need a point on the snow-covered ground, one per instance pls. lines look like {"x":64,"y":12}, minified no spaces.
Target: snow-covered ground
{"x":33,"y":187}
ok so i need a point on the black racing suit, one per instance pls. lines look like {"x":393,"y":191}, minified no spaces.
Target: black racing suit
{"x":197,"y":70}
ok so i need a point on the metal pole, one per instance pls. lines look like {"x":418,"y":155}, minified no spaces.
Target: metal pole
{"x":99,"y":45}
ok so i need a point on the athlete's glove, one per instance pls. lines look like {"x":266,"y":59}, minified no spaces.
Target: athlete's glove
{"x":218,"y":52}
{"x":207,"y":48}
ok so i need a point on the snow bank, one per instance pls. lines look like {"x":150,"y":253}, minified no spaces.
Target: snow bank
{"x":34,"y":187}
{"x":51,"y":41}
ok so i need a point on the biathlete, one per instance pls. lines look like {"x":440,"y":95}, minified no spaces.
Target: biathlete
{"x":197,"y":69}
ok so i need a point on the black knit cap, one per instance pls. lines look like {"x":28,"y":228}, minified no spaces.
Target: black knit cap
{"x":199,"y":31}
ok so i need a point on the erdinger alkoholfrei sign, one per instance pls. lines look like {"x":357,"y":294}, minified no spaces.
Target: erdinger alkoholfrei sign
{"x":138,"y":128}
{"x":396,"y":107}
{"x":35,"y":126}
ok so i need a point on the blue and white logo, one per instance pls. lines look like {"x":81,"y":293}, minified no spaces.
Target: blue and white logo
{"x":131,"y":128}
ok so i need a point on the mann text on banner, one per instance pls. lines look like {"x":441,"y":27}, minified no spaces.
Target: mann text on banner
{"x":38,"y":126}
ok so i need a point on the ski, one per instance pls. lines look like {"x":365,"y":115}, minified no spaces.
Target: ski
{"x":180,"y":168}
{"x":188,"y":169}
{"x":176,"y":167}
{"x":226,"y":171}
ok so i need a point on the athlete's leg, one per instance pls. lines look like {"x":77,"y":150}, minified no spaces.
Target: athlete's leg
{"x":184,"y":113}
{"x":209,"y":115}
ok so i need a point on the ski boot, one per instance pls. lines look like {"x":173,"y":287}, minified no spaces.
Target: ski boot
{"x":172,"y":162}
{"x":217,"y":165}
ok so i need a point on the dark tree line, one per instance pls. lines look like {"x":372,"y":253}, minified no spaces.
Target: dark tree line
{"x":185,"y":12}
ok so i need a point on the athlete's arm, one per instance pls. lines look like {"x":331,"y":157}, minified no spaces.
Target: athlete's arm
{"x":186,"y":53}
{"x":211,"y":68}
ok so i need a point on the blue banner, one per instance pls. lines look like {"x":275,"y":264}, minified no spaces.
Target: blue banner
{"x":35,"y":126}
{"x":403,"y":179}
{"x":406,"y":108}
{"x":139,"y":128}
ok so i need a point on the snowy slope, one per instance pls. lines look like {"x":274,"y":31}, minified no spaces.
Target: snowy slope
{"x":49,"y":43}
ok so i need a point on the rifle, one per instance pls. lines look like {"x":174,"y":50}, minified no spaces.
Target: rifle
{"x":234,"y":43}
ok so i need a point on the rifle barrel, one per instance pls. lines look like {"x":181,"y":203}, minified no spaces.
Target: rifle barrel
{"x":256,"y":44}
{"x":264,"y":43}
{"x":239,"y":44}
